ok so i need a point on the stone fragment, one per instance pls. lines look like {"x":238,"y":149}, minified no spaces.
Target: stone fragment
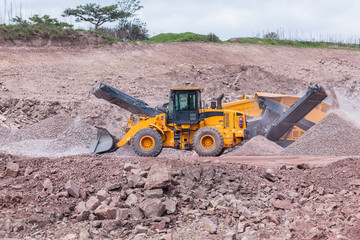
{"x":306,"y":193}
{"x":12,"y":169}
{"x":218,"y":201}
{"x":84,"y":234}
{"x":136,"y":214}
{"x":282,"y":204}
{"x":241,"y":227}
{"x":93,"y":217}
{"x":292,"y":194}
{"x":70,"y":236}
{"x":152,"y":208}
{"x":105,"y":212}
{"x":321,"y":190}
{"x":158,"y":225}
{"x":231,"y":235}
{"x":83,"y":216}
{"x":129,"y":166}
{"x":28,"y":171}
{"x":140,"y":229}
{"x":62,"y":194}
{"x":199,"y":193}
{"x":122,"y":214}
{"x":170,"y":206}
{"x":92,"y":203}
{"x":270,"y":175}
{"x":136,"y":171}
{"x":135,"y":181}
{"x":302,"y":201}
{"x":102,"y":195}
{"x":81,"y":206}
{"x":83,"y":194}
{"x":281,"y":196}
{"x":303,"y":166}
{"x":355,"y":182}
{"x":72,"y":188}
{"x":158,"y":177}
{"x":131,"y":200}
{"x":47,"y":185}
{"x":159,"y":219}
{"x":167,"y":237}
{"x":154,"y":193}
{"x":209,"y":225}
{"x":273,"y":218}
{"x":112,"y":186}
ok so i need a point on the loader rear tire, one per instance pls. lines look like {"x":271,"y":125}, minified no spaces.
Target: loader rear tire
{"x":208,"y":141}
{"x":147,"y":143}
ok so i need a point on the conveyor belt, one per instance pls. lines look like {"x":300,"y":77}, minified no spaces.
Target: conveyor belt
{"x":123,"y":100}
{"x":313,"y":97}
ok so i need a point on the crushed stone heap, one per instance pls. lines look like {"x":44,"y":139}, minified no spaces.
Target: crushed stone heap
{"x":332,"y":136}
{"x":257,"y":146}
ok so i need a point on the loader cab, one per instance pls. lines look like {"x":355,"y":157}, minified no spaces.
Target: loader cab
{"x":184,"y":106}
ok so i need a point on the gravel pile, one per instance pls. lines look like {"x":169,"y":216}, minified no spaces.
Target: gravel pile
{"x":257,"y":146}
{"x":56,"y":136}
{"x":332,"y":136}
{"x":77,"y":137}
{"x":51,"y":127}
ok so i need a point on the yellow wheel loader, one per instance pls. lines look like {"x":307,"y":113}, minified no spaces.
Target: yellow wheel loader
{"x":185,"y":123}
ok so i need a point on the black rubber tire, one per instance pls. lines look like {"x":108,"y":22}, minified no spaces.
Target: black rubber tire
{"x":218,"y":144}
{"x":221,"y":152}
{"x":153,"y":152}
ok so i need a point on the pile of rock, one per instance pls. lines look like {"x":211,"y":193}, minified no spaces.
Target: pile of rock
{"x":332,"y":136}
{"x":257,"y":146}
{"x":143,"y":203}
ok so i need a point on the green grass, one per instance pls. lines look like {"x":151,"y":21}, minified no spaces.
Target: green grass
{"x":290,"y":43}
{"x":182,"y":37}
{"x":17,"y":31}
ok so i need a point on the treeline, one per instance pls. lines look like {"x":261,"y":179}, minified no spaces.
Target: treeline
{"x":127,"y":26}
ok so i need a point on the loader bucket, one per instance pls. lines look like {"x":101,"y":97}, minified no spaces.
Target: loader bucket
{"x":104,"y":142}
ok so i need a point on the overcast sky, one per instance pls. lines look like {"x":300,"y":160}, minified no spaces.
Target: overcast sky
{"x":230,"y":18}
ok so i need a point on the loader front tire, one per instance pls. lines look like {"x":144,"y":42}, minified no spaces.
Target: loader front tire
{"x":147,"y":143}
{"x":208,"y":141}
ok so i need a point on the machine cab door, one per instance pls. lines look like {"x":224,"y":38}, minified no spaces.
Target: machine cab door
{"x":184,"y":106}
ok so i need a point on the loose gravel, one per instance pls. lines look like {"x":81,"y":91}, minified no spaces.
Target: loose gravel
{"x":332,"y":136}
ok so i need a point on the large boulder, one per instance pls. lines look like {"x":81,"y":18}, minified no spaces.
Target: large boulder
{"x":158,"y":177}
{"x":12,"y":169}
{"x":152,"y":208}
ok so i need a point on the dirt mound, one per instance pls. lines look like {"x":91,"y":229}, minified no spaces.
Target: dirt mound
{"x":81,"y":39}
{"x":257,"y":146}
{"x":332,"y":136}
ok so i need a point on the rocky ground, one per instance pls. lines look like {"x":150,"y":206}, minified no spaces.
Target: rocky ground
{"x":86,"y":196}
{"x":50,"y":188}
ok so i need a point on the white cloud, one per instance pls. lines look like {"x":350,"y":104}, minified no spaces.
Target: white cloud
{"x":231,"y":18}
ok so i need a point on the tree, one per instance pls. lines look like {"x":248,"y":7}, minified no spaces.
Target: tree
{"x":130,"y":27}
{"x":271,"y":35}
{"x":129,"y":6}
{"x":132,"y":30}
{"x":96,"y":14}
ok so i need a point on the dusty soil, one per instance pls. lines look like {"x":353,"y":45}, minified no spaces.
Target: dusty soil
{"x":47,"y":119}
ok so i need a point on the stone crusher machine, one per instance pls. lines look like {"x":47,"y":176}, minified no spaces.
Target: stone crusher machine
{"x":185,"y":123}
{"x":282,"y":118}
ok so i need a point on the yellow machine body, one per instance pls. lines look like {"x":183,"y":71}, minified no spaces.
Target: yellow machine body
{"x":250,"y":107}
{"x":225,"y":121}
